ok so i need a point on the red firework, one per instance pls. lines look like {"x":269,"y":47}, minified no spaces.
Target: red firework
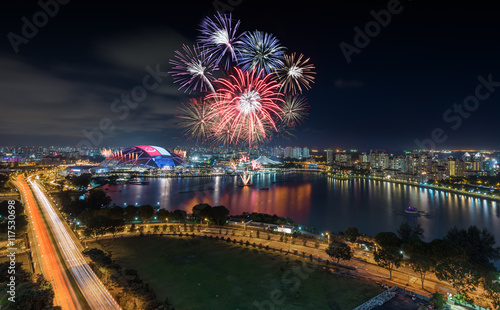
{"x":246,"y":102}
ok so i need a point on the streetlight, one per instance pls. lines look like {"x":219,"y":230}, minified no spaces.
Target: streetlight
{"x":328,"y":235}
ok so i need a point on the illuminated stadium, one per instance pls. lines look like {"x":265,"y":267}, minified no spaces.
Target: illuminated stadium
{"x":140,"y":157}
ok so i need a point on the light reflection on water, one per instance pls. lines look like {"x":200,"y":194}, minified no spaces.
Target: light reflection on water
{"x":325,"y":203}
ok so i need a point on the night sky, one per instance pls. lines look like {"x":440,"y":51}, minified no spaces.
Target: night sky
{"x":395,"y":90}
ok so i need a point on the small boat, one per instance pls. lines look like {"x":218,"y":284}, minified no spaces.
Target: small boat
{"x":264,"y":188}
{"x":137,"y":181}
{"x":243,"y":185}
{"x":411,"y":210}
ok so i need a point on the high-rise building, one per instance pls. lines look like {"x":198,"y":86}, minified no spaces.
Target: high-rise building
{"x":297,"y":152}
{"x":305,"y":152}
{"x":329,"y":156}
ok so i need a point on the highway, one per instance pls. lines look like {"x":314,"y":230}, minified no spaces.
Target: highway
{"x":50,"y":265}
{"x":95,"y":293}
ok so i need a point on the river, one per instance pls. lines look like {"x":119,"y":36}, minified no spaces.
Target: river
{"x":318,"y":201}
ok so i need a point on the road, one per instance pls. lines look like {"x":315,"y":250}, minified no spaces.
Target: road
{"x":95,"y":293}
{"x":50,"y":265}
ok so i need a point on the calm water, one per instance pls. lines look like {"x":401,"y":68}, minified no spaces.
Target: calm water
{"x":317,"y":201}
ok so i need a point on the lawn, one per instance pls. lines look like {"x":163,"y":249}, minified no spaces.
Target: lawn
{"x":209,"y":274}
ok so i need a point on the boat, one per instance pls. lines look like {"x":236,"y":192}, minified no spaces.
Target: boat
{"x":136,"y":181}
{"x":243,"y":185}
{"x":264,"y":188}
{"x":411,"y":210}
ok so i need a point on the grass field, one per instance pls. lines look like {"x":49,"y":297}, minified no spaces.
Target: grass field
{"x":209,"y":274}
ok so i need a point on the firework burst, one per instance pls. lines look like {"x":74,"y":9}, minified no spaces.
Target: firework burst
{"x":219,"y":37}
{"x":260,"y":51}
{"x":247,"y":104}
{"x":196,"y":119}
{"x":295,"y":74}
{"x":294,"y":110}
{"x":193,"y":68}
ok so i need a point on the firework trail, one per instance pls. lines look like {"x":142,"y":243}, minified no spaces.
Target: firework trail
{"x":193,"y":68}
{"x":219,"y":37}
{"x":247,"y":103}
{"x":196,"y":119}
{"x":260,"y":51}
{"x":294,"y":110}
{"x":295,"y":74}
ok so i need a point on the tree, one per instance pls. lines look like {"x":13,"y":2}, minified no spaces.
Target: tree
{"x":145,"y":212}
{"x":219,"y":214}
{"x":407,"y":232}
{"x":339,"y":251}
{"x":3,"y":180}
{"x":21,"y":219}
{"x":163,"y":214}
{"x":387,"y":240}
{"x":491,"y":284}
{"x":97,"y":199}
{"x":98,"y":225}
{"x":461,"y":275}
{"x":130,"y":213}
{"x":202,"y":210}
{"x":479,"y":245}
{"x":81,"y":181}
{"x":438,"y":301}
{"x":179,"y":215}
{"x":421,"y":264}
{"x":388,"y":258}
{"x":98,"y":256}
{"x":441,"y":250}
{"x":29,"y":294}
{"x":351,"y":233}
{"x":115,"y":212}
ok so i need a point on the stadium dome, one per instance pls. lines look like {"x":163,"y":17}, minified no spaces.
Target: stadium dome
{"x":141,"y":156}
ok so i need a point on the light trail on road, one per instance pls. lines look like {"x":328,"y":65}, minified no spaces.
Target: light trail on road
{"x":96,"y":294}
{"x":51,"y":266}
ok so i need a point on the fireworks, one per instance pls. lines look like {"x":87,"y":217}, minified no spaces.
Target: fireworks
{"x":246,"y":103}
{"x":256,"y":165}
{"x":294,"y":110}
{"x":295,"y":74}
{"x":260,"y":51}
{"x":253,"y":102}
{"x":219,"y":36}
{"x":193,"y":69}
{"x":196,"y":119}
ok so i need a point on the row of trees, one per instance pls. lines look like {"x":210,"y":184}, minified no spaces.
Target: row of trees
{"x":217,"y":214}
{"x":136,"y":291}
{"x":30,"y":294}
{"x":21,"y":220}
{"x":267,"y":218}
{"x":462,"y":258}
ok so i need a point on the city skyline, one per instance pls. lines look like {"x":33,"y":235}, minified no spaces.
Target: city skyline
{"x":399,"y":88}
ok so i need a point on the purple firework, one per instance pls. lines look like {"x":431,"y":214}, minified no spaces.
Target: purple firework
{"x":260,"y":51}
{"x":193,"y":69}
{"x":218,"y":36}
